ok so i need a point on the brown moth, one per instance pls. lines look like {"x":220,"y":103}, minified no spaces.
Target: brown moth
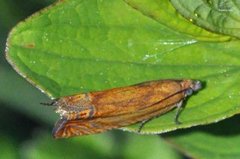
{"x":95,"y":112}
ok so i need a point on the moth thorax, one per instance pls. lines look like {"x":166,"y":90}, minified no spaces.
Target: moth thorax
{"x":67,"y":114}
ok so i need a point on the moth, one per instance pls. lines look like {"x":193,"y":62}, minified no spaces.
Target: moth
{"x":96,"y":112}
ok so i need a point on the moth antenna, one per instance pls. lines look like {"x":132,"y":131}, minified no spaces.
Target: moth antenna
{"x":52,"y":103}
{"x":47,"y":104}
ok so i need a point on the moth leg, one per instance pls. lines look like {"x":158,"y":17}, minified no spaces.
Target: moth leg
{"x":179,"y":109}
{"x":143,"y":123}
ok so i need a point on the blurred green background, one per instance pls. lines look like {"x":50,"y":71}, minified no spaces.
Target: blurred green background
{"x":26,"y":125}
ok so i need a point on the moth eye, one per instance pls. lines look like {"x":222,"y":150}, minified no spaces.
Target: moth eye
{"x":189,"y":92}
{"x":196,"y":85}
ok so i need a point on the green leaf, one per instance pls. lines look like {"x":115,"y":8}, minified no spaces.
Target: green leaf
{"x":163,"y":12}
{"x":215,"y":15}
{"x":213,"y":141}
{"x":15,"y":91}
{"x":78,"y":46}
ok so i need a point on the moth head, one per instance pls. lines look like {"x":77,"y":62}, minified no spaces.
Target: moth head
{"x":191,"y":86}
{"x":71,"y":106}
{"x":196,"y":85}
{"x":59,"y":104}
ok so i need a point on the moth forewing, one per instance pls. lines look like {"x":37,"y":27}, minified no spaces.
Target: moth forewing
{"x":78,"y":127}
{"x":96,"y":112}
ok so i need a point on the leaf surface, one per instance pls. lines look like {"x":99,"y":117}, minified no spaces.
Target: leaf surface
{"x":78,"y":46}
{"x":217,"y":15}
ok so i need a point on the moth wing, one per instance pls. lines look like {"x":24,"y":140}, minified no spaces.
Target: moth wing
{"x":68,"y":128}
